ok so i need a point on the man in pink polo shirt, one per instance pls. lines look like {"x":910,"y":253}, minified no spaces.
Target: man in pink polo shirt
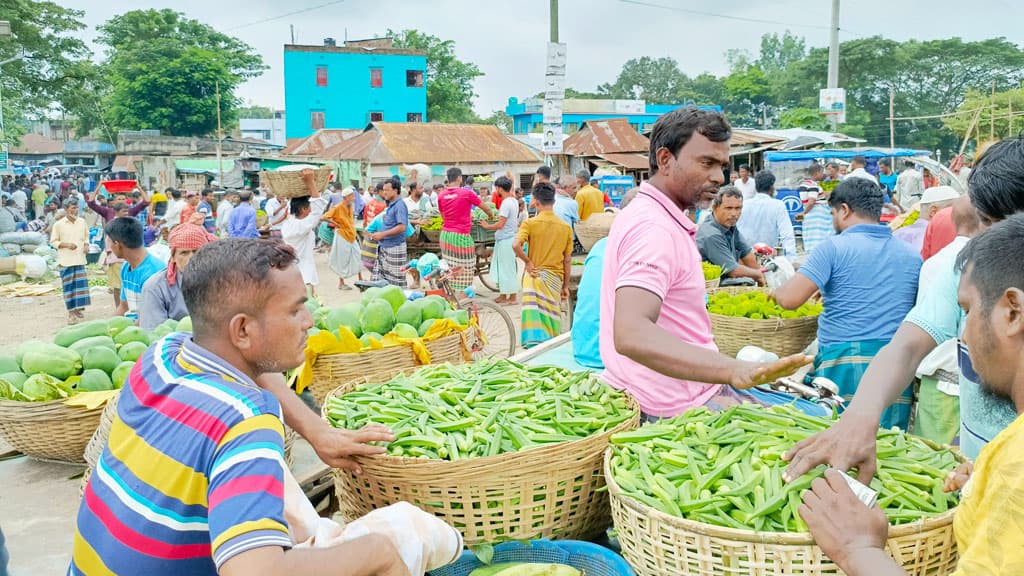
{"x":656,"y":339}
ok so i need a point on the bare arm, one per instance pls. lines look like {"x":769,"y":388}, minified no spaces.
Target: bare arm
{"x":794,"y":292}
{"x":122,"y":308}
{"x":850,"y":442}
{"x":517,"y":247}
{"x":566,"y":270}
{"x":371,"y":555}
{"x":334,"y":446}
{"x":638,"y":337}
{"x":498,"y":225}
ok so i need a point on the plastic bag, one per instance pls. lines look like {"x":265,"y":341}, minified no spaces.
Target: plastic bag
{"x":783,"y":271}
{"x":29,"y":266}
{"x":22,"y":238}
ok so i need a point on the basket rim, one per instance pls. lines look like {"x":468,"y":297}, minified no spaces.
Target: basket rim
{"x":9,"y":409}
{"x":384,"y":460}
{"x":783,"y":538}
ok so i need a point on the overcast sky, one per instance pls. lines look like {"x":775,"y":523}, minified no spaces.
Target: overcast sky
{"x":506,"y":38}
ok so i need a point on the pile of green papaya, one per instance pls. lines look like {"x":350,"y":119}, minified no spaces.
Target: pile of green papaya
{"x":88,"y":357}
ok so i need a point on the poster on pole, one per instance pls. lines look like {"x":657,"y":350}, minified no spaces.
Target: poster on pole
{"x":553,"y":112}
{"x":832,"y":102}
{"x":556,"y":59}
{"x":552,"y":141}
{"x":5,"y":163}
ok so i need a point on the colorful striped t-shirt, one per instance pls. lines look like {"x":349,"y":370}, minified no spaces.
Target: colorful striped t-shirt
{"x":192,"y":474}
{"x":133,"y":279}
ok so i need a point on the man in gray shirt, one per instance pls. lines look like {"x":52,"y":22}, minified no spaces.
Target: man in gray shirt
{"x":721,"y":243}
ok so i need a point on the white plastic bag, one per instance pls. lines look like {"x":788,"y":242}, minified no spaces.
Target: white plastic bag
{"x":783,"y":272}
{"x":29,"y":266}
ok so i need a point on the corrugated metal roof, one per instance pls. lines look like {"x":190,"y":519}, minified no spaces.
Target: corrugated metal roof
{"x":317,"y":142}
{"x":751,"y":137}
{"x":632,"y":161}
{"x":432,"y":143}
{"x":125,"y":163}
{"x":605,"y":137}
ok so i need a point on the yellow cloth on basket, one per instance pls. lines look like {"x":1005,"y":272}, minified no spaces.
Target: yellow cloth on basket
{"x":345,"y":342}
{"x":91,"y":400}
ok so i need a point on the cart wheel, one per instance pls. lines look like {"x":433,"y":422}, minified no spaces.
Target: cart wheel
{"x":486,"y":280}
{"x":497,"y":327}
{"x":483,"y":267}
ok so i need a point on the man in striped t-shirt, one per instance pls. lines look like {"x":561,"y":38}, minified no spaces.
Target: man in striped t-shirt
{"x":191,"y":480}
{"x":125,"y":237}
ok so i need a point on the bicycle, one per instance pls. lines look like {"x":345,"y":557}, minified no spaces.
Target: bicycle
{"x":492,"y":334}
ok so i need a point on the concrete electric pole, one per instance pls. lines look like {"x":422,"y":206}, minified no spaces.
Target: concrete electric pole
{"x":833,"y":56}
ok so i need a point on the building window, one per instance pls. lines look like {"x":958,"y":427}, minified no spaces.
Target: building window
{"x":414,"y":117}
{"x":414,"y":78}
{"x":376,"y":116}
{"x":376,"y":78}
{"x":321,"y":76}
{"x":316,"y":119}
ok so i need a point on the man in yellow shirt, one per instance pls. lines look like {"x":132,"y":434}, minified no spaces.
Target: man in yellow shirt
{"x":545,"y":284}
{"x":70,"y":236}
{"x":989,"y":523}
{"x":589,"y":198}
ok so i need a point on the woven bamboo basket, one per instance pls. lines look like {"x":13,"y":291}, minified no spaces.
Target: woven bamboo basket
{"x":99,"y":441}
{"x":710,"y":285}
{"x":549,"y":492}
{"x":594,"y":228}
{"x":289,"y":184}
{"x":48,"y":430}
{"x":655,"y":544}
{"x":783,"y":336}
{"x":333,"y":370}
{"x":433,"y":236}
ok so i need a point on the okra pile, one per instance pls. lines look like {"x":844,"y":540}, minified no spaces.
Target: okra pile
{"x":485,"y":408}
{"x":726,"y":468}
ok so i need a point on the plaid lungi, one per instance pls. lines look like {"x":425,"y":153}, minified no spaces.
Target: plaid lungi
{"x":390,"y":263}
{"x":368,"y":252}
{"x":75,"y":282}
{"x":460,"y":252}
{"x":845,"y":363}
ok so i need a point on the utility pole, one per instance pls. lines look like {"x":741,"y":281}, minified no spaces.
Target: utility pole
{"x":553,"y":11}
{"x":892,"y":121}
{"x":220,"y":137}
{"x":291,"y":27}
{"x":992,"y":114}
{"x":833,"y":56}
{"x":5,"y":33}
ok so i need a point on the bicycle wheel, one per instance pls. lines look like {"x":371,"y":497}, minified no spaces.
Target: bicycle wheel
{"x":483,"y":270}
{"x":499,"y":332}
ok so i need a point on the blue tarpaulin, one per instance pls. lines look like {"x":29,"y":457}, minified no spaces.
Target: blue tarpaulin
{"x":842,"y":154}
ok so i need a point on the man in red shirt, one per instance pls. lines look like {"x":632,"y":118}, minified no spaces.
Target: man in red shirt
{"x":940,"y":233}
{"x":456,"y":206}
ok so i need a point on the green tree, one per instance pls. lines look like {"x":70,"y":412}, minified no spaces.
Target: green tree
{"x":992,"y":120}
{"x":748,"y":95}
{"x":779,"y":52}
{"x":54,"y":65}
{"x":449,"y":80}
{"x":255,"y":111}
{"x":500,"y":119}
{"x":808,"y":118}
{"x":705,"y":88}
{"x":655,"y":80}
{"x":164,"y":72}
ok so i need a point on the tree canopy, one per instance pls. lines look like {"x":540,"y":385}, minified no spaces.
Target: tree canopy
{"x":164,"y":71}
{"x":449,"y":80}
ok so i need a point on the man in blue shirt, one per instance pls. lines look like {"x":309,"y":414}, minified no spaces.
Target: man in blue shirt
{"x":565,"y":206}
{"x":125,"y":237}
{"x":868,"y":281}
{"x":242,"y":222}
{"x":206,"y":209}
{"x":392,"y":254}
{"x":586,"y":318}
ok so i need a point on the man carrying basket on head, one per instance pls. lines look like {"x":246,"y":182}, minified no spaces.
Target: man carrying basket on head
{"x":456,"y":205}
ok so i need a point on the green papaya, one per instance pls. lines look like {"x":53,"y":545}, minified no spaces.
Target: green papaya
{"x":51,"y":359}
{"x":25,"y":346}
{"x":120,"y":374}
{"x":70,"y":334}
{"x":100,"y":358}
{"x":461,"y":317}
{"x":93,"y":342}
{"x":425,"y":326}
{"x":94,"y":381}
{"x":185,"y":324}
{"x":9,"y":364}
{"x":16,"y":378}
{"x":131,"y":351}
{"x":131,"y":334}
{"x":117,"y":324}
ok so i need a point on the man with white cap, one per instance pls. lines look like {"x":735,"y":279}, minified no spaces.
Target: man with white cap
{"x":934,"y":199}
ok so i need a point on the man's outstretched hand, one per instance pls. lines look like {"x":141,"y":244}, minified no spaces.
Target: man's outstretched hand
{"x":750,"y":374}
{"x":336,"y":447}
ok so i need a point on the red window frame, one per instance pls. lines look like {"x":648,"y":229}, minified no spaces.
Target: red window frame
{"x":321,"y":76}
{"x":376,"y":78}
